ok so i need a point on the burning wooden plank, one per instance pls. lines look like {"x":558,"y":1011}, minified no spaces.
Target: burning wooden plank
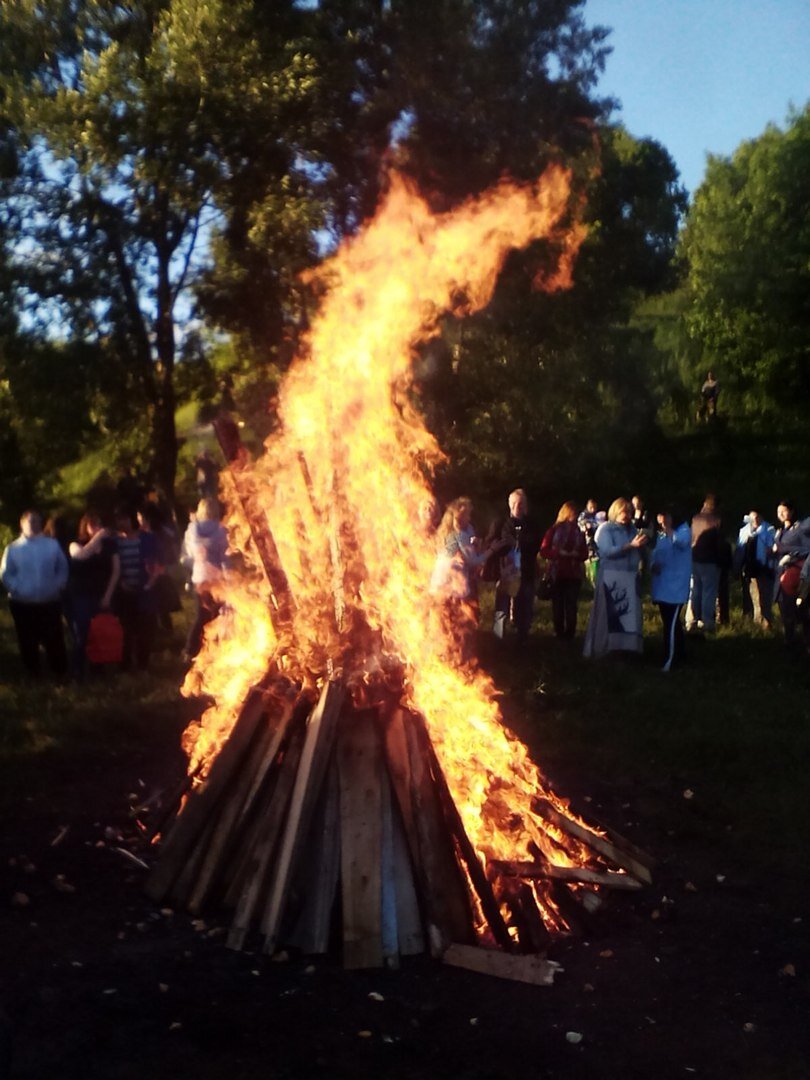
{"x":625,"y":859}
{"x":576,"y":874}
{"x":237,"y":457}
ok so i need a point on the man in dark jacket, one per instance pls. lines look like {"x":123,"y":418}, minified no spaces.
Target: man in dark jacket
{"x":520,"y":543}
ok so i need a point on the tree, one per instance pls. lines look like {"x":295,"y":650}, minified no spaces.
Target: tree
{"x":454,"y":93}
{"x":129,"y":119}
{"x":747,"y":248}
{"x":547,"y":389}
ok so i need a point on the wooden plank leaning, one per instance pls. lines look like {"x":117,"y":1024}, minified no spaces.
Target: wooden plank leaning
{"x":311,"y":769}
{"x":237,"y":805}
{"x":359,"y":758}
{"x":441,"y":885}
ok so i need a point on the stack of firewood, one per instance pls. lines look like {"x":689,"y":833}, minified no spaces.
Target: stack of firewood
{"x":326,"y":817}
{"x":318,"y":820}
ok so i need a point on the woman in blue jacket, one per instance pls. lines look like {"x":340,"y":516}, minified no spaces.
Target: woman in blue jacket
{"x":671,"y":570}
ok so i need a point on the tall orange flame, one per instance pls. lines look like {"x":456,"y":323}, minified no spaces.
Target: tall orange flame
{"x":342,"y":482}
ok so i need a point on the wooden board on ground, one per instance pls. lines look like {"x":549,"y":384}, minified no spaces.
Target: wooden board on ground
{"x":530,"y":968}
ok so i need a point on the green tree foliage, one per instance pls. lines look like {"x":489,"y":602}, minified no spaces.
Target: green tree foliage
{"x":747,"y":248}
{"x":547,"y":389}
{"x":455,"y":93}
{"x":130,"y":120}
{"x":182,"y":158}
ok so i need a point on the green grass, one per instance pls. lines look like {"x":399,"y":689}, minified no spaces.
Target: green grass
{"x":110,"y":711}
{"x":730,"y":726}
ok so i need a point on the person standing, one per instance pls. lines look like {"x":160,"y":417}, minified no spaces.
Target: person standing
{"x":706,"y":558}
{"x":34,"y":571}
{"x":709,"y":393}
{"x":518,"y":545}
{"x":671,"y":571}
{"x":94,"y":571}
{"x":135,"y":601}
{"x":204,"y":548}
{"x":616,"y":615}
{"x":566,"y":549}
{"x":791,"y":548}
{"x":754,"y":559}
{"x":589,"y":523}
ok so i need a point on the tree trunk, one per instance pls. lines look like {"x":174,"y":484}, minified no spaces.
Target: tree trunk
{"x":164,"y":432}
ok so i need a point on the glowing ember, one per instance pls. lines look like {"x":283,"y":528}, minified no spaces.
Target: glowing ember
{"x":341,"y":484}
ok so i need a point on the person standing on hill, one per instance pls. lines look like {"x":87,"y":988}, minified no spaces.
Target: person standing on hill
{"x":706,"y":558}
{"x":34,"y":571}
{"x":709,"y":393}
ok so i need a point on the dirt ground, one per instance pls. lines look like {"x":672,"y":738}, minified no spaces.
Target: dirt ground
{"x":702,"y":975}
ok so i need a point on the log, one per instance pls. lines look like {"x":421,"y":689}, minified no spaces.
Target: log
{"x":442,"y":888}
{"x":520,"y":899}
{"x":314,"y":759}
{"x":180,"y":841}
{"x":519,"y":967}
{"x":581,"y":874}
{"x":359,"y":769}
{"x":597,"y":843}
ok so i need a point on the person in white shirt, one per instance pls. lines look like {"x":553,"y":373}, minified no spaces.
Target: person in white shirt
{"x":34,"y":571}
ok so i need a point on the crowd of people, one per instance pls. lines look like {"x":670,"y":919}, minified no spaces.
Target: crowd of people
{"x":686,"y":565}
{"x":114,"y":586}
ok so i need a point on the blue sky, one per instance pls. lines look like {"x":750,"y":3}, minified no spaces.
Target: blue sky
{"x":703,"y":75}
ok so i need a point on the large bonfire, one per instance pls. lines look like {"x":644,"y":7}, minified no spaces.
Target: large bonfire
{"x":340,"y":488}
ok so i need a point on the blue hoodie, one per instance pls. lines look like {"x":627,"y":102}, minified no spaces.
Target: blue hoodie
{"x":671,"y":567}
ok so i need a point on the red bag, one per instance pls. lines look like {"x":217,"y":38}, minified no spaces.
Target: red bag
{"x":790,"y":579}
{"x":105,"y":639}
